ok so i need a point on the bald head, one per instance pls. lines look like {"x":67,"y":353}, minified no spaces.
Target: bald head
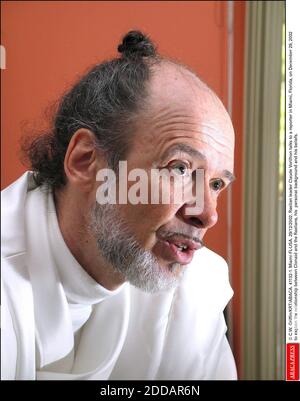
{"x":179,"y":101}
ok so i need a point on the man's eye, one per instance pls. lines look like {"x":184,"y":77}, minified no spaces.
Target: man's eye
{"x":180,"y":169}
{"x":217,"y":185}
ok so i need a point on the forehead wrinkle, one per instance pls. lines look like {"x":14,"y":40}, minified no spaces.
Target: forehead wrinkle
{"x":184,"y":148}
{"x":169,"y":128}
{"x":179,"y":129}
{"x":209,"y":129}
{"x":163,"y":140}
{"x":166,"y":119}
{"x":177,"y":123}
{"x":213,"y":138}
{"x":171,"y":117}
{"x":165,"y":111}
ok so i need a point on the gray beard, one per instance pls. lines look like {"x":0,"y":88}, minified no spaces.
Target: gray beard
{"x":122,"y":251}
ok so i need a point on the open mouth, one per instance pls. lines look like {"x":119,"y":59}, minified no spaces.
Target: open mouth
{"x":180,"y":250}
{"x":183,"y":243}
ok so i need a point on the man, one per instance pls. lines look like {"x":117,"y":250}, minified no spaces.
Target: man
{"x":119,"y":290}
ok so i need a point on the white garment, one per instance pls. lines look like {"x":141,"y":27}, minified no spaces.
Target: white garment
{"x":81,"y":290}
{"x":58,"y":323}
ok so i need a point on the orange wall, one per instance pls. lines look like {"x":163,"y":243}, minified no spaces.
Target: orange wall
{"x":48,"y":44}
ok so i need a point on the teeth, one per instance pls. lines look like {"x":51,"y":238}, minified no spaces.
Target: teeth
{"x":182,"y":247}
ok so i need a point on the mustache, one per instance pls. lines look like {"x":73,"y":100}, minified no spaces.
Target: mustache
{"x":169,"y":234}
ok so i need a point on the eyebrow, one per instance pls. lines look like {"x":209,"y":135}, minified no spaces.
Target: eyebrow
{"x":182,"y":147}
{"x":231,"y":177}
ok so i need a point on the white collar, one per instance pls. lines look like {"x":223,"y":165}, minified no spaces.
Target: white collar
{"x":54,"y":330}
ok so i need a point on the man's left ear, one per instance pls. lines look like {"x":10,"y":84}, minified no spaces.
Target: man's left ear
{"x":81,"y":162}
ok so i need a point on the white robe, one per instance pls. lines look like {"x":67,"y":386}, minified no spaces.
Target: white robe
{"x":58,"y":323}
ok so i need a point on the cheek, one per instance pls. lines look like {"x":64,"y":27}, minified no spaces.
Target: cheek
{"x":144,"y":220}
{"x":151,"y":216}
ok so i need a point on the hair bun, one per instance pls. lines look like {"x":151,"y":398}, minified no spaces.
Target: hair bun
{"x":136,"y":44}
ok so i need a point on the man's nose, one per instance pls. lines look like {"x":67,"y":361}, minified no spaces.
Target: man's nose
{"x":205,"y":218}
